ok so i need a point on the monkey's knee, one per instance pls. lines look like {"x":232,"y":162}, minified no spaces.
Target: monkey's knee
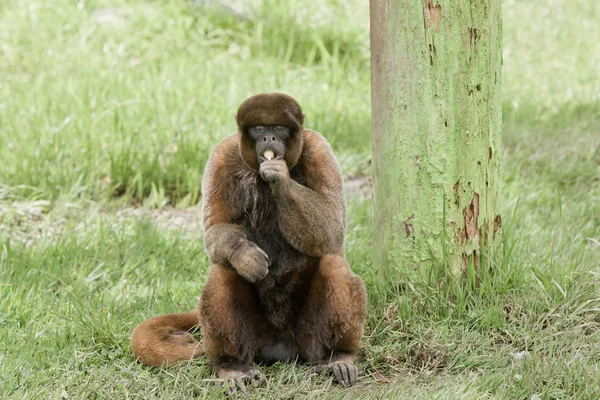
{"x":346,"y":303}
{"x":334,"y":317}
{"x":344,"y":286}
{"x":334,"y":266}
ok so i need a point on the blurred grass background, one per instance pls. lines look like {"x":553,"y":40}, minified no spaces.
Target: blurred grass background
{"x":141,"y":93}
{"x":104,"y":98}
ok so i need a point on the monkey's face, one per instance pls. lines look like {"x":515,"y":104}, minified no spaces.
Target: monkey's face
{"x":269,"y":141}
{"x":271,"y":123}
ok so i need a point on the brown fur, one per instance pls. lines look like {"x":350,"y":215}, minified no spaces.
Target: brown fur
{"x":303,"y":301}
{"x":165,"y":340}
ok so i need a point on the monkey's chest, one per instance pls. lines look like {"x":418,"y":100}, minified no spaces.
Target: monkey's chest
{"x":259,"y":219}
{"x":282,"y":292}
{"x":277,"y":288}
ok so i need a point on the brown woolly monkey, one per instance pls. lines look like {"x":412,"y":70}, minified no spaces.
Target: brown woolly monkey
{"x":280,"y":287}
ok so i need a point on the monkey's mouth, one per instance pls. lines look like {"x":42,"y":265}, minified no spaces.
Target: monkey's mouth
{"x":269,"y":155}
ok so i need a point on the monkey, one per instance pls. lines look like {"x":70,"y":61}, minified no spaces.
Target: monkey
{"x":280,"y":287}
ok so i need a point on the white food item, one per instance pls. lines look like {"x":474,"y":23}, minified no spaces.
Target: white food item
{"x":268,"y":154}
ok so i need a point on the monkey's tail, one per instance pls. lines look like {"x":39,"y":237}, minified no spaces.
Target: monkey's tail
{"x":164,"y":340}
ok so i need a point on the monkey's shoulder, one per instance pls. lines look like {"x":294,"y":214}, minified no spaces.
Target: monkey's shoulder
{"x":225,"y":155}
{"x":318,"y":163}
{"x":315,"y":144}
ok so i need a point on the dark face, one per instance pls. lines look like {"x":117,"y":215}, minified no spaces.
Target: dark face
{"x":271,"y":138}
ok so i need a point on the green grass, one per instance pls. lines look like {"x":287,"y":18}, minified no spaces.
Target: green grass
{"x":116,"y":104}
{"x":142,"y":99}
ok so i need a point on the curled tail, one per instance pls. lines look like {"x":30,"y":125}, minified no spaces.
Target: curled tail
{"x":164,"y":340}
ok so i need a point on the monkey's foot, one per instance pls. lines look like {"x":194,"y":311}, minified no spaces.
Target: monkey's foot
{"x":345,"y":373}
{"x":236,"y":378}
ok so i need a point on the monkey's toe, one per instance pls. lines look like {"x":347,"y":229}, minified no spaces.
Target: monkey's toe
{"x":238,"y":379}
{"x":254,"y":374}
{"x":344,"y":373}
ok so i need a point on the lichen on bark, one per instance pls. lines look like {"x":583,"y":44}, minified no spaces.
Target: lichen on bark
{"x":437,"y":137}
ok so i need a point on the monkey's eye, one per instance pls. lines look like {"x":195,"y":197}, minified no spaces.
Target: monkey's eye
{"x":259,"y":128}
{"x":279,"y":128}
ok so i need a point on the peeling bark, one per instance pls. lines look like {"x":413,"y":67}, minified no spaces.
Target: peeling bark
{"x":471,"y":215}
{"x":433,"y":15}
{"x":470,"y":235}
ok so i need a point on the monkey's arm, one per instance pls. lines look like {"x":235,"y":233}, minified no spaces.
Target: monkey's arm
{"x":312,"y":218}
{"x":313,"y":222}
{"x":226,"y":242}
{"x":220,"y":241}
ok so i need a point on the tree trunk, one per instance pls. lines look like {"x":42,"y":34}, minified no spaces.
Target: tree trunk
{"x":437,"y":133}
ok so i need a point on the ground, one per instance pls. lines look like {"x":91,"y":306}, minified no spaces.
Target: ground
{"x":108,"y":111}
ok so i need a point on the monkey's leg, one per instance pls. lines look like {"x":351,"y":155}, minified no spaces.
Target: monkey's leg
{"x":331,"y":324}
{"x":232,"y":326}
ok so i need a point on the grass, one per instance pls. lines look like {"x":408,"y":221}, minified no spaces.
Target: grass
{"x":110,"y":105}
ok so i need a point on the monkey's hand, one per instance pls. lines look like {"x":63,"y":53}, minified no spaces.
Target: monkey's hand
{"x":274,"y":172}
{"x":250,"y":261}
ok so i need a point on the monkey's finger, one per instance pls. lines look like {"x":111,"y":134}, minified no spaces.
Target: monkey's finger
{"x":271,"y":175}
{"x":264,"y":264}
{"x":251,"y":275}
{"x":259,"y":277}
{"x":353,"y":374}
{"x":231,"y":387}
{"x":345,"y":374}
{"x":277,"y":161}
{"x":258,"y":272}
{"x":258,"y":259}
{"x":267,"y":166}
{"x":337,"y":373}
{"x":248,"y":277}
{"x":240,"y":383}
{"x":273,"y":168}
{"x":261,"y":251}
{"x":262,"y":274}
{"x":261,"y":265}
{"x":258,"y":376}
{"x":274,"y":179}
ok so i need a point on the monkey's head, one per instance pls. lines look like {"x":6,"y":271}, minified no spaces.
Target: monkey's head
{"x":270,"y":123}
